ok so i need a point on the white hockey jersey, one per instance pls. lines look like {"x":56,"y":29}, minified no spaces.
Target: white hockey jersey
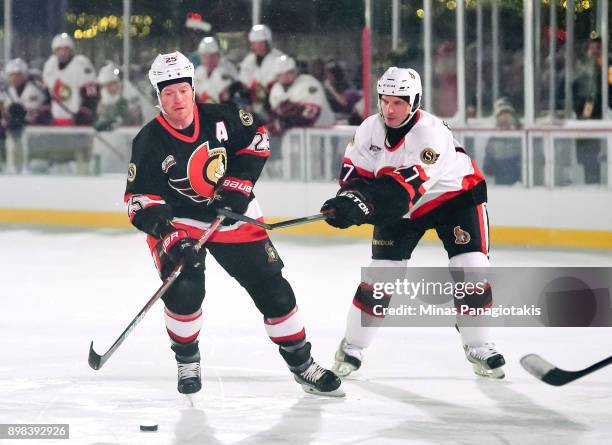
{"x":252,"y":75}
{"x":65,"y":84}
{"x":212,"y":86}
{"x":31,"y":97}
{"x":307,"y":91}
{"x":428,"y":162}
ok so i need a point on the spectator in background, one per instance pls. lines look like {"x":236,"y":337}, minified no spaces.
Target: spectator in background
{"x":114,"y":107}
{"x":24,"y":102}
{"x":297,"y":100}
{"x":445,"y":80}
{"x":342,"y":96}
{"x":71,"y":81}
{"x":214,"y":76}
{"x":258,"y":68}
{"x":503,"y":154}
{"x":588,"y":105}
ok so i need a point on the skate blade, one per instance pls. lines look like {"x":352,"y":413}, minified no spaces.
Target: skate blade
{"x":335,"y":393}
{"x":343,"y":369}
{"x":497,"y":373}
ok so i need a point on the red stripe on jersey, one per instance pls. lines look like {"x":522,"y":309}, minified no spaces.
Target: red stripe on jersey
{"x":180,"y":339}
{"x":278,"y":320}
{"x":196,"y":132}
{"x":368,"y":310}
{"x":59,"y":122}
{"x":360,"y":171}
{"x":481,"y":224}
{"x":294,"y":337}
{"x":468,"y":183}
{"x":248,"y":151}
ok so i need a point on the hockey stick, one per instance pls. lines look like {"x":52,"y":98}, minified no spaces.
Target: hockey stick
{"x":96,"y":361}
{"x":279,"y":225}
{"x":549,"y":373}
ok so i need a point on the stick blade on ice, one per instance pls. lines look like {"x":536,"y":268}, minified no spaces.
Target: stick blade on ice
{"x":547,"y":372}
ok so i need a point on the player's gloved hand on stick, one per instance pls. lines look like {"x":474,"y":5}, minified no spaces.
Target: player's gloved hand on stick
{"x":348,"y":208}
{"x":233,"y":195}
{"x":180,"y":248}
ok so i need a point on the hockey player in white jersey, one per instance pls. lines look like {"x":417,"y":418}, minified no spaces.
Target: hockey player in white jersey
{"x":258,"y":68}
{"x":23,"y":102}
{"x":215,"y":74}
{"x":71,"y":81}
{"x":298,"y":100}
{"x":404,"y":173}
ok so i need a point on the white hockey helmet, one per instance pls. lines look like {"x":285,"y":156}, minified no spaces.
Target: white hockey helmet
{"x":208,"y":45}
{"x":404,"y":83}
{"x":284,"y":64}
{"x":260,"y":33}
{"x":108,"y":73}
{"x":170,"y":68}
{"x":62,"y":40}
{"x":16,"y":66}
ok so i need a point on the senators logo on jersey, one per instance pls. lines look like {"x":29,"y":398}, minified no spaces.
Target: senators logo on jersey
{"x":205,"y":168}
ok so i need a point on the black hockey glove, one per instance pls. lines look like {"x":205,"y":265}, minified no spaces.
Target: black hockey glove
{"x":179,"y":247}
{"x":234,"y":195}
{"x":348,"y":208}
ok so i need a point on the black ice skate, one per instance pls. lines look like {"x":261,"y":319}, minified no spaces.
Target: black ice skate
{"x":188,"y":361}
{"x":485,"y":360}
{"x":189,"y":379}
{"x":314,"y":378}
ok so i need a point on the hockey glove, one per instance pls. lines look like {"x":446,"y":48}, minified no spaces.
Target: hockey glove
{"x":234,"y":195}
{"x":180,"y":248}
{"x":348,"y":208}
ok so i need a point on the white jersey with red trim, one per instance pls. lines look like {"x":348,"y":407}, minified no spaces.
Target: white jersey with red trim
{"x":213,"y":85}
{"x":31,"y":97}
{"x":65,"y":84}
{"x":427,"y":161}
{"x":307,"y":92}
{"x":253,"y":74}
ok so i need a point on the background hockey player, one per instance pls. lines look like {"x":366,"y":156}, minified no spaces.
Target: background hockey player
{"x":298,"y":100}
{"x":189,"y":161}
{"x":71,"y":81}
{"x":258,"y":68}
{"x":215,"y":74}
{"x":404,"y":173}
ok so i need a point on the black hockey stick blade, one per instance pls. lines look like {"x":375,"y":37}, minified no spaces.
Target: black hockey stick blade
{"x":548,"y":373}
{"x":279,"y":225}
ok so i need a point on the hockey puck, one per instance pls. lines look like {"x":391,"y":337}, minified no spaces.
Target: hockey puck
{"x":148,"y":427}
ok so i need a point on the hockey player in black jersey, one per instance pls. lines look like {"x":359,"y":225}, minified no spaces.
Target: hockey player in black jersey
{"x":189,"y":161}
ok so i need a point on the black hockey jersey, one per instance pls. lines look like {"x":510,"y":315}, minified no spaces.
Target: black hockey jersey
{"x":174,"y":173}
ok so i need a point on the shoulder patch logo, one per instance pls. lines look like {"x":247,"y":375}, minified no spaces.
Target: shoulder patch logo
{"x":246,"y":118}
{"x":131,"y":172}
{"x":429,"y":156}
{"x":167,"y":163}
{"x":461,"y":236}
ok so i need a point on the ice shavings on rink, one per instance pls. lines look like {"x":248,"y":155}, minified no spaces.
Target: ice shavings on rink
{"x":61,"y":290}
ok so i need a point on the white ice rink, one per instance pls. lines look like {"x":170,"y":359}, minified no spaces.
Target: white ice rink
{"x":62,"y":289}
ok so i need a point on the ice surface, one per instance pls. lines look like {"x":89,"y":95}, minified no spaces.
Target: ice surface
{"x":61,"y":289}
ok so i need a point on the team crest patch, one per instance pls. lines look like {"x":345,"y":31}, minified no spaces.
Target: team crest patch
{"x":246,"y":118}
{"x":168,"y":162}
{"x":461,"y":236}
{"x":131,"y":172}
{"x":272,"y":253}
{"x":216,"y":166}
{"x":429,"y":156}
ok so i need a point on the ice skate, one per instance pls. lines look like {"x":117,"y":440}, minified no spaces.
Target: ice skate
{"x":347,"y":359}
{"x":485,"y":360}
{"x":317,"y":380}
{"x":189,"y":378}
